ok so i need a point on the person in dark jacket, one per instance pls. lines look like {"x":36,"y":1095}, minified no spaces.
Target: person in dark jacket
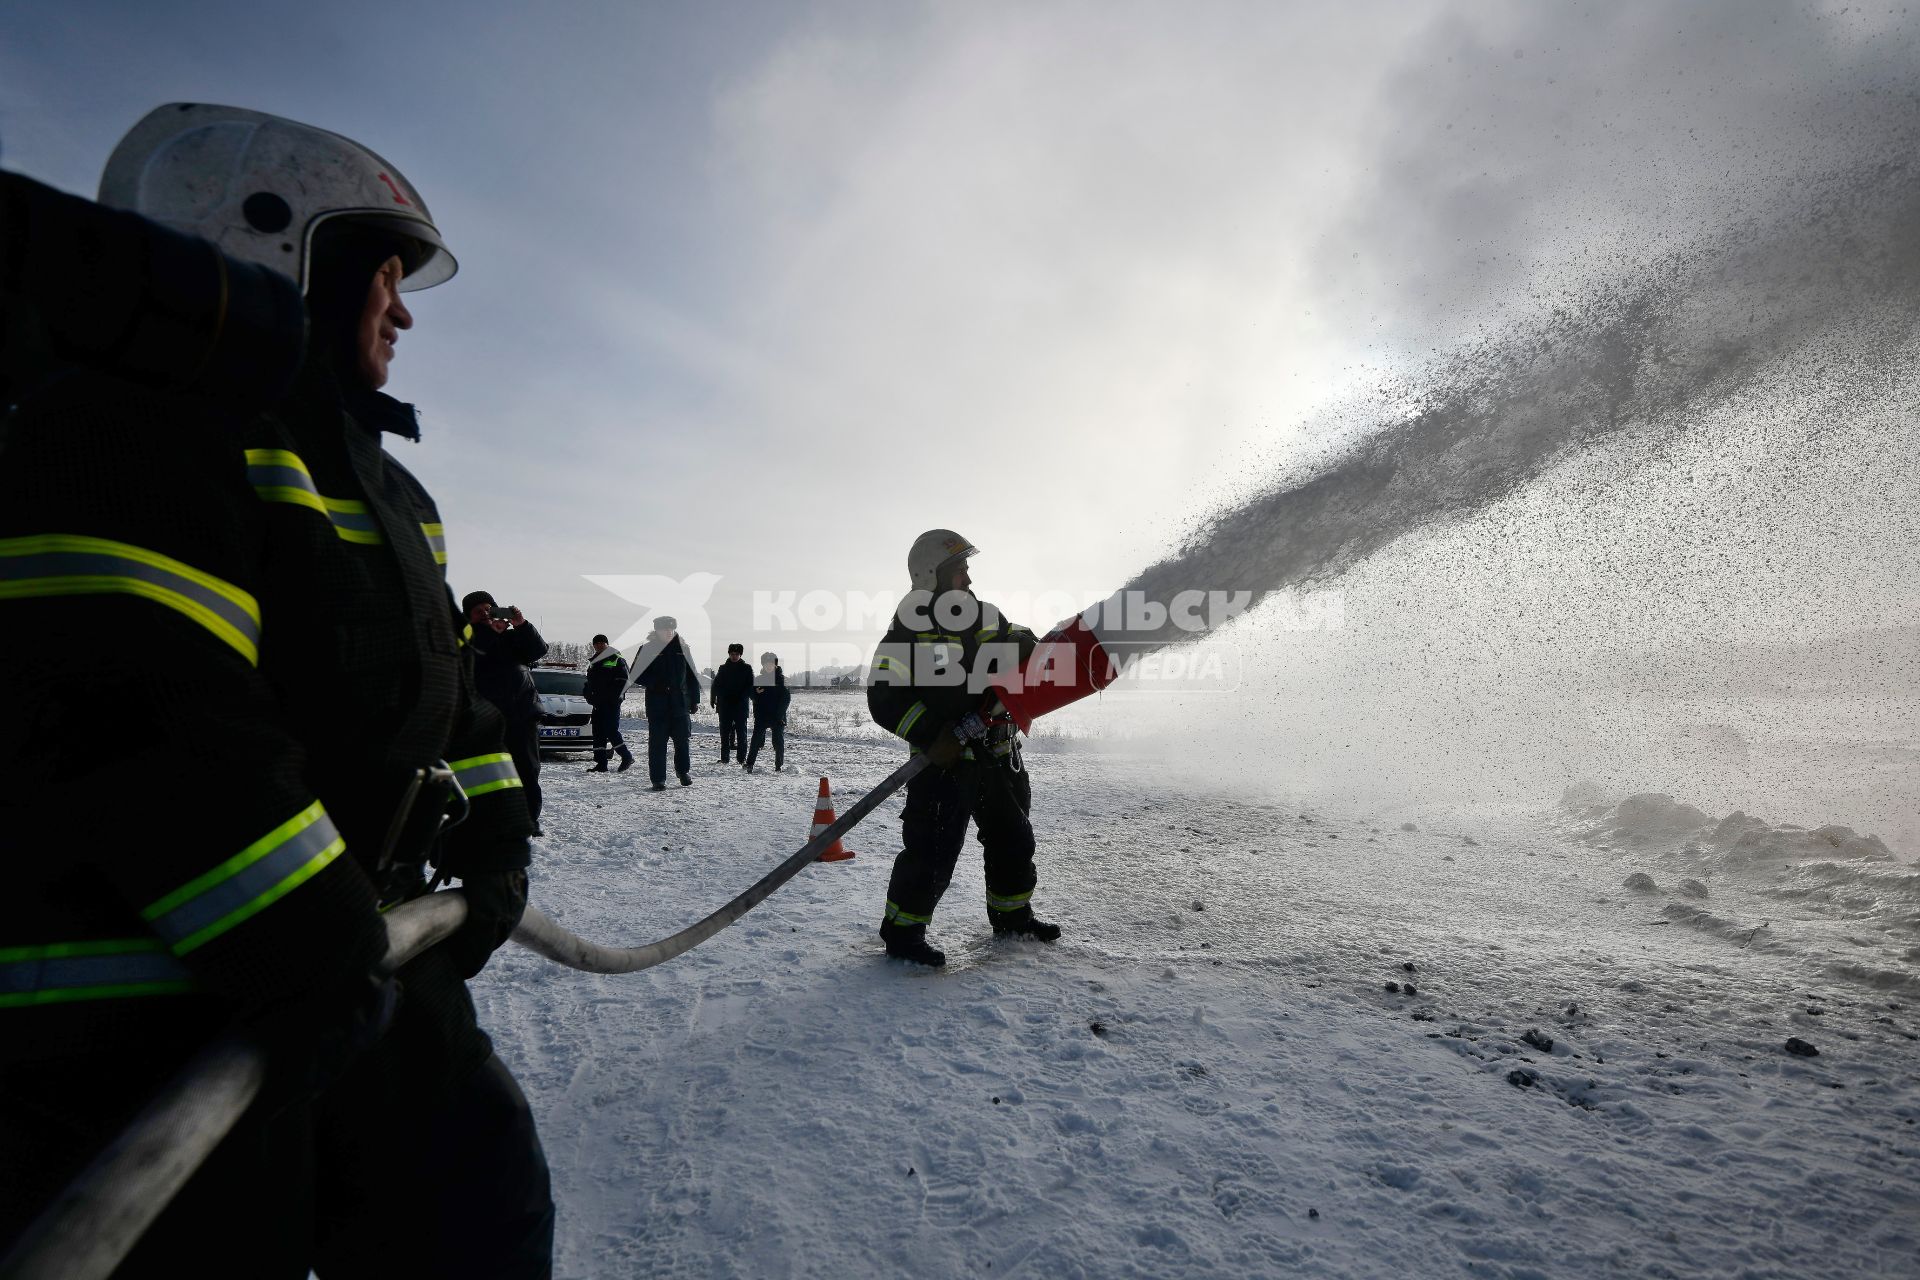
{"x":770,"y":699}
{"x":732,"y":694}
{"x":504,"y":645}
{"x":284,"y":579}
{"x":929,"y":684}
{"x":673,"y":691}
{"x":606,"y":687}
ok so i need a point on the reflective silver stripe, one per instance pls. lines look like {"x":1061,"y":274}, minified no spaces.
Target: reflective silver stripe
{"x":1014,"y":903}
{"x":481,"y":774}
{"x":252,"y":880}
{"x":897,"y":916}
{"x":352,"y":521}
{"x":88,"y":971}
{"x":269,"y":477}
{"x":910,"y":719}
{"x":57,"y":564}
{"x":437,"y":540}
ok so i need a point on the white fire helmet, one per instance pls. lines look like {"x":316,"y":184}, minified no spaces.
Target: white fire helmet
{"x":931,"y":550}
{"x":260,"y":186}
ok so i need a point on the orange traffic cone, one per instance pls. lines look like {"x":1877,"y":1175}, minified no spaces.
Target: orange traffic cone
{"x":822,"y":819}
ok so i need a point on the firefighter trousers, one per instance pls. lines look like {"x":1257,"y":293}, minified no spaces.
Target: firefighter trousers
{"x":386,"y":1174}
{"x":996,"y":796}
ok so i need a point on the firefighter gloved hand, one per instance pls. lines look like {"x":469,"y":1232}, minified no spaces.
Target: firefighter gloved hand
{"x":312,"y":1039}
{"x":944,"y":751}
{"x":495,"y":902}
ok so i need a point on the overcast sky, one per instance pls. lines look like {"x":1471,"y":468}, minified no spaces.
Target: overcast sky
{"x":763,"y":290}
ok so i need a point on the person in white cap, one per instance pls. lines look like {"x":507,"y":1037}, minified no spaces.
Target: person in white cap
{"x":301,"y":679}
{"x":770,"y":699}
{"x":673,"y":691}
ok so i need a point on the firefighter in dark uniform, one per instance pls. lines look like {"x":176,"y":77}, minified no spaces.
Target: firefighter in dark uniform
{"x":673,"y":691}
{"x":928,"y":684}
{"x":732,"y":695}
{"x":282,"y":579}
{"x":770,"y":699}
{"x":606,"y":687}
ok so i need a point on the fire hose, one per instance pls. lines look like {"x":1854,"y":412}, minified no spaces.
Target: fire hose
{"x":99,"y":1217}
{"x":538,"y":932}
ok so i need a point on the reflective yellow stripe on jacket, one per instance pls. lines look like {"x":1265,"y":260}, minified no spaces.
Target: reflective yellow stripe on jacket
{"x":71,"y":564}
{"x":477,"y":775}
{"x":98,"y":969}
{"x":281,"y":475}
{"x":247,"y":883}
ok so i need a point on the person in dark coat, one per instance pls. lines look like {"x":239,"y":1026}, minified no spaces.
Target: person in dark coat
{"x":770,"y":698}
{"x":504,"y":645}
{"x":284,"y":577}
{"x":673,"y":691}
{"x":606,"y":686}
{"x":732,"y":693}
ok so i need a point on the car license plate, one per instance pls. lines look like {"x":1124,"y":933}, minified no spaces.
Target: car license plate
{"x":559,"y":733}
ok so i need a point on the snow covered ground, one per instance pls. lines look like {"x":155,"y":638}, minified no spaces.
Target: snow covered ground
{"x":1213,"y":1073}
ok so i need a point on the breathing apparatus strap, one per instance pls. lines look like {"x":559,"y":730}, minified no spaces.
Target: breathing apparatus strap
{"x":431,"y":804}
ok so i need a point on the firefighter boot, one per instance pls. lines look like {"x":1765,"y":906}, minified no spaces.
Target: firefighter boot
{"x":909,"y":942}
{"x":626,"y":760}
{"x":1023,"y":924}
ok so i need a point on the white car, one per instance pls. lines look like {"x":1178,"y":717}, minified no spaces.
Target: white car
{"x":566,"y":721}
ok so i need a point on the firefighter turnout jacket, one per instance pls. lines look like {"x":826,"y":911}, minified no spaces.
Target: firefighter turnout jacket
{"x":930,"y":671}
{"x":193,"y":827}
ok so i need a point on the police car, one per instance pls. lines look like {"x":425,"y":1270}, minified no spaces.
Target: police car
{"x":566,"y":721}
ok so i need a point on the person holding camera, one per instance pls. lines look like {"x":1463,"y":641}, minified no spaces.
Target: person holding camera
{"x":302,"y":681}
{"x":504,"y":645}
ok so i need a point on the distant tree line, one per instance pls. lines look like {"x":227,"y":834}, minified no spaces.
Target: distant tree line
{"x":567,"y":651}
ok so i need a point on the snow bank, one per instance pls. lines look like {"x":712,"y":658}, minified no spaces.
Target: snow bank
{"x":1737,"y":840}
{"x":1374,"y":1051}
{"x":1827,"y":895}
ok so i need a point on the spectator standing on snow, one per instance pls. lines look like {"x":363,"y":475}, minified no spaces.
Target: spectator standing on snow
{"x":673,"y":690}
{"x":770,"y":698}
{"x":504,"y":645}
{"x":606,"y":687}
{"x":301,"y":666}
{"x":929,"y":686}
{"x":732,"y":693}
